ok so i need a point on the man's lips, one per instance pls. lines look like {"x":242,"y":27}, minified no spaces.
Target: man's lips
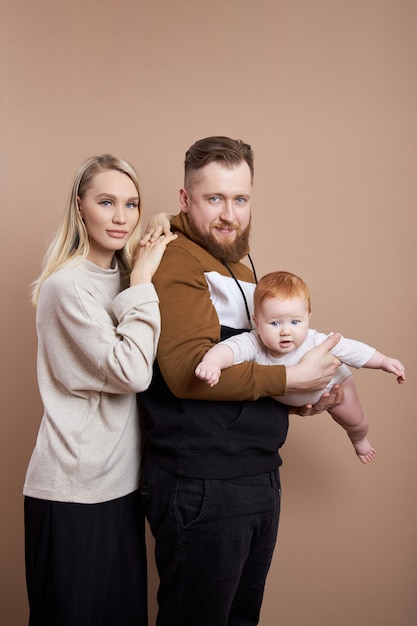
{"x":226,"y":230}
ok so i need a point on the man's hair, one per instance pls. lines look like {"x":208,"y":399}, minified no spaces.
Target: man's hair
{"x":282,"y":286}
{"x":228,"y":152}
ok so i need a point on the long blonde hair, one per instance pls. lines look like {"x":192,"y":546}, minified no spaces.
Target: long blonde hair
{"x":71,"y":243}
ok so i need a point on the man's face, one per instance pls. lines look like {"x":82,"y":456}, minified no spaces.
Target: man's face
{"x":217,"y":204}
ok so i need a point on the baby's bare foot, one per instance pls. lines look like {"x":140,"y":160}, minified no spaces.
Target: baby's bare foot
{"x":364,"y":450}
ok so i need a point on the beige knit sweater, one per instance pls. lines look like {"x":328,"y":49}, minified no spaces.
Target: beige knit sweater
{"x":96,"y":346}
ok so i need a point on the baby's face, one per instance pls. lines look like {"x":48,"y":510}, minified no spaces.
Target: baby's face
{"x":282,"y":325}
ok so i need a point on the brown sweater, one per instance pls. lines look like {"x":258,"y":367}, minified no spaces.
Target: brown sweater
{"x":231,"y":429}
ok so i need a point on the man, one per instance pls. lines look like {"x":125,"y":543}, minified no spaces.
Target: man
{"x":211,"y":481}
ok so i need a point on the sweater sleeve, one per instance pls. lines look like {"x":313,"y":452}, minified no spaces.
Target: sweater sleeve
{"x":190,"y":327}
{"x":89,"y":344}
{"x":353,"y":352}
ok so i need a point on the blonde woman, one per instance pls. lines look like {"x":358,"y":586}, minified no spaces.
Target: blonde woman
{"x":98,"y":325}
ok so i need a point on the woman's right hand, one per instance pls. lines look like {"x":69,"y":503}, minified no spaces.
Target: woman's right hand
{"x":148,"y":257}
{"x":159,"y":224}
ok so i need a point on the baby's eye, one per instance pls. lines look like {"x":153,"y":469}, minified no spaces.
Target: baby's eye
{"x":274,"y":323}
{"x":295,"y":322}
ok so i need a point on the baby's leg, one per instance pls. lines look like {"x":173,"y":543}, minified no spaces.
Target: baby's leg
{"x":351,"y":416}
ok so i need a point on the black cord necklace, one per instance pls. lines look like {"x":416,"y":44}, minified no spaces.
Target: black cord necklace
{"x":240,"y":286}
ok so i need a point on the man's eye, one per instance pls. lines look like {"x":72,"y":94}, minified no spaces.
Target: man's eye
{"x":214,"y":198}
{"x":241,"y":200}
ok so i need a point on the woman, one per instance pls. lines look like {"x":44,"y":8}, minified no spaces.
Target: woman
{"x":98,"y":326}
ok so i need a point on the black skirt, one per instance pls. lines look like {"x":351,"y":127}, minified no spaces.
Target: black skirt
{"x":86,"y":563}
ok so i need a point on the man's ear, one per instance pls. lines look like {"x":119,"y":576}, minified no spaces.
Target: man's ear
{"x":184,"y":200}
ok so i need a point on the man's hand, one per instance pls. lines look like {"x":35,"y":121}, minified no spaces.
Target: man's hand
{"x":316,"y":368}
{"x":328,"y":400}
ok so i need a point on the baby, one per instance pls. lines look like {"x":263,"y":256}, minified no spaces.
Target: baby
{"x":282,"y":336}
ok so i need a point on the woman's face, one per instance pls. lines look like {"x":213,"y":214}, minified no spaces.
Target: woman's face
{"x":110,"y":211}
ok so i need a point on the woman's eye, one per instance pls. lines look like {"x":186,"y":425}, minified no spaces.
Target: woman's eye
{"x":105,"y":203}
{"x":131,"y":205}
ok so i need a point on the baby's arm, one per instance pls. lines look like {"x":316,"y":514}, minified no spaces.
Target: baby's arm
{"x":214,"y":361}
{"x":386,"y":363}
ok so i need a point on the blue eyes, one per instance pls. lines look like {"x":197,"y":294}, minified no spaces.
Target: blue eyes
{"x":217,"y":199}
{"x":129,"y":205}
{"x":293,"y":323}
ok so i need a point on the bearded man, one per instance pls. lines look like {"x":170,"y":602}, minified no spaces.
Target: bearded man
{"x":211,"y":479}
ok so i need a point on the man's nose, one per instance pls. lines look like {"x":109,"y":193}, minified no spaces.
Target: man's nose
{"x":228,"y":211}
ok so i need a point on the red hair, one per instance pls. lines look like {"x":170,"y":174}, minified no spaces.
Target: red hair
{"x":282,"y":286}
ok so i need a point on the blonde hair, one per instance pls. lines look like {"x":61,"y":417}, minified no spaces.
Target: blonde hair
{"x":280,"y":285}
{"x":71,"y":243}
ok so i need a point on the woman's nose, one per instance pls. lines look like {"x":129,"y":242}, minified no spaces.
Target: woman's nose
{"x":119,"y":215}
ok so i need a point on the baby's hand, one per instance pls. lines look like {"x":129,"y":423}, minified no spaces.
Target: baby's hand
{"x":208,"y":372}
{"x":393,"y":366}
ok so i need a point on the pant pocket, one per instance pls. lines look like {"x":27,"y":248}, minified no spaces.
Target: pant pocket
{"x":190,"y":500}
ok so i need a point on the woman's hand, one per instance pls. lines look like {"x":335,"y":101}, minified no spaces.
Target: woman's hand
{"x":159,"y":224}
{"x":148,"y":257}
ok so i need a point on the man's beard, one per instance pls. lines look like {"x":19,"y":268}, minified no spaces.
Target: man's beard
{"x":229,"y":253}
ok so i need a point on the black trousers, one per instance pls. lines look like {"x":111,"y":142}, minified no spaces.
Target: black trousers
{"x":214,"y":545}
{"x":86,"y":563}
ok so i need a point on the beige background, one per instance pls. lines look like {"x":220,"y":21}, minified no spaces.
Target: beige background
{"x":326,"y":92}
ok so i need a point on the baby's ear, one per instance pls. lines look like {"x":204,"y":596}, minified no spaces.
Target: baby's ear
{"x":254,"y":320}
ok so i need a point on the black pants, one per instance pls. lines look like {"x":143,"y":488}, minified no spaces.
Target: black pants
{"x":214,"y":545}
{"x":86,"y":563}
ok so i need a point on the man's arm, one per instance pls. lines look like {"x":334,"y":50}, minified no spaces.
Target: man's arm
{"x":190,"y":327}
